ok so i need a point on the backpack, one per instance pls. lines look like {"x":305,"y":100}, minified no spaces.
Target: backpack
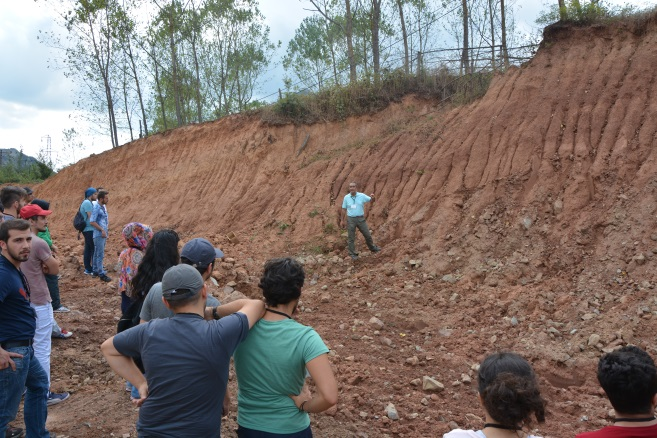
{"x":79,"y":223}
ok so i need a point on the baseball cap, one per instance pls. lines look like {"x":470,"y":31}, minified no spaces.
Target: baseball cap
{"x":41,"y":203}
{"x":28,"y":190}
{"x":200,"y":252}
{"x":90,"y":191}
{"x":31,"y":210}
{"x":180,"y":282}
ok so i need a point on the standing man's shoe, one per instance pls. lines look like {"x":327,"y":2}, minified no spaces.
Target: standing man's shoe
{"x":105,"y":278}
{"x":54,"y":398}
{"x":375,"y":249}
{"x":14,"y":432}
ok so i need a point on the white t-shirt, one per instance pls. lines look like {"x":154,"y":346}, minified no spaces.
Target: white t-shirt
{"x":460,"y":433}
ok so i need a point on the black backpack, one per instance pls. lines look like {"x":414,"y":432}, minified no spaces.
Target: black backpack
{"x":78,"y":221}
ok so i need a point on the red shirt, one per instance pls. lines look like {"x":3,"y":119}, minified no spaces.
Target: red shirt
{"x":622,"y":432}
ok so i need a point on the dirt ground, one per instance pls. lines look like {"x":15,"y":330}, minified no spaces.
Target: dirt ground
{"x":524,"y":221}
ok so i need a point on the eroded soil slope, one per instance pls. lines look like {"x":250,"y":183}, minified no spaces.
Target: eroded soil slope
{"x":523,"y":221}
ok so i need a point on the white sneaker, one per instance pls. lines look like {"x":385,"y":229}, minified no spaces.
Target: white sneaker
{"x":62,"y":309}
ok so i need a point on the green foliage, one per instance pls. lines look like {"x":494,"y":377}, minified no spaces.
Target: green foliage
{"x":365,"y":96}
{"x":16,"y":172}
{"x":329,"y":228}
{"x":282,"y":226}
{"x":314,"y":212}
{"x":583,"y":12}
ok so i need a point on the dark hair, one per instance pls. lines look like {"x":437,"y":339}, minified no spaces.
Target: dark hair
{"x":14,"y":224}
{"x":629,"y":378}
{"x":281,"y":281}
{"x":509,"y":390}
{"x":11,"y":194}
{"x":102,"y":194}
{"x":201,"y":269}
{"x":41,"y":203}
{"x":177,"y":304}
{"x":161,"y":254}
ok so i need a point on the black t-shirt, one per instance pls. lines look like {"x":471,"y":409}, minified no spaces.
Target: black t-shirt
{"x":17,"y":318}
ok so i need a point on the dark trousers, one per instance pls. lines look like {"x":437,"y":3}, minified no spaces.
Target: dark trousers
{"x":359,"y":223}
{"x":243,"y":432}
{"x":88,"y":250}
{"x":53,"y":287}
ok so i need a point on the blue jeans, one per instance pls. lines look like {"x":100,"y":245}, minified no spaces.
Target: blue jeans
{"x":243,"y":432}
{"x":88,"y":250}
{"x":99,"y":254}
{"x":30,"y":374}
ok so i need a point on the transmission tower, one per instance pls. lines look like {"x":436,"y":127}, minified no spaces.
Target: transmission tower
{"x":47,"y":149}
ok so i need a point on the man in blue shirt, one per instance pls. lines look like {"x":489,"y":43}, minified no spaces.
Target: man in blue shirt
{"x":100,"y":221}
{"x":353,"y":207}
{"x":86,"y":208}
{"x":19,"y":369}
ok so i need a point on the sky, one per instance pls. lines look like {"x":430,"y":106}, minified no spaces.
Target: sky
{"x":37,"y":101}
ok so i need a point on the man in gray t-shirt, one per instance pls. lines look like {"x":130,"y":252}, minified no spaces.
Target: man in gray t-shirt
{"x":186,"y":357}
{"x":198,"y":253}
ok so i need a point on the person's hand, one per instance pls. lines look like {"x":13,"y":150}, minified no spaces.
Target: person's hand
{"x":143,"y":395}
{"x":225,"y":407}
{"x":45,"y":269}
{"x":372,"y":196}
{"x":103,"y":234}
{"x":5,"y":359}
{"x":304,"y":396}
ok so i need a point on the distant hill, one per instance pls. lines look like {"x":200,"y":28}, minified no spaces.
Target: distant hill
{"x":16,"y":157}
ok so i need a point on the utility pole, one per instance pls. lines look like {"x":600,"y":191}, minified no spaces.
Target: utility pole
{"x":47,"y":150}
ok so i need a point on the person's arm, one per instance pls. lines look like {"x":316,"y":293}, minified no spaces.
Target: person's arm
{"x":253,"y":309}
{"x":51,"y":266}
{"x":125,"y":367}
{"x":325,"y":383}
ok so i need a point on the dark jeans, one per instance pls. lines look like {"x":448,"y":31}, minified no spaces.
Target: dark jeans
{"x":352,"y":224}
{"x":88,"y":250}
{"x":53,"y":287}
{"x":243,"y":432}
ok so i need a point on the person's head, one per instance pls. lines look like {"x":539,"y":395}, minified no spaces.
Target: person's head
{"x":16,"y":240}
{"x":37,"y":217}
{"x":103,"y":197}
{"x":509,"y":391}
{"x":629,"y":378}
{"x":200,"y":254}
{"x":29,"y":195}
{"x":41,"y":203}
{"x":137,"y":235}
{"x":182,"y":285}
{"x":281,"y":281}
{"x":13,"y":199}
{"x":353,"y":188}
{"x":161,"y":254}
{"x":91,"y":194}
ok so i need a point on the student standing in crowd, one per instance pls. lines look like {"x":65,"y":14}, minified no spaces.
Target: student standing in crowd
{"x":136,"y":236}
{"x":86,"y":208}
{"x":39,"y":262}
{"x":100,"y":221}
{"x":271,"y":364}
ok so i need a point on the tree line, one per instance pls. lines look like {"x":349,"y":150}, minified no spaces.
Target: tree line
{"x":145,"y":66}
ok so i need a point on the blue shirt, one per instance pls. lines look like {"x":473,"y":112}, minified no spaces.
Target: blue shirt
{"x":99,"y":215}
{"x":354,"y":204}
{"x":17,"y":318}
{"x":86,"y":207}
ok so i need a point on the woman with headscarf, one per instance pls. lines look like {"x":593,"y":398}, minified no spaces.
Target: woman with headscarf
{"x":136,"y":236}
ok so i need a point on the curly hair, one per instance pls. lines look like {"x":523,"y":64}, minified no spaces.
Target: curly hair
{"x":509,"y":390}
{"x":281,"y":281}
{"x":629,"y":378}
{"x":161,"y":254}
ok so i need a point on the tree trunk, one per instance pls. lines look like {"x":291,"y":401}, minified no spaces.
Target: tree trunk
{"x":133,"y":67}
{"x":491,"y":13}
{"x":174,"y":67}
{"x":349,"y":31}
{"x":375,"y":24}
{"x":465,"y":61}
{"x":505,"y":52}
{"x":562,"y":10}
{"x":400,"y":5}
{"x":160,"y":96}
{"x":199,"y":112}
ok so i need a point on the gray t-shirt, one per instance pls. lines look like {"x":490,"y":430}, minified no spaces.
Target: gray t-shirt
{"x":186,"y":360}
{"x":153,"y":306}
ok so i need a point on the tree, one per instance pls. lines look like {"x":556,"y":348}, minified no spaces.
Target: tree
{"x":465,"y":61}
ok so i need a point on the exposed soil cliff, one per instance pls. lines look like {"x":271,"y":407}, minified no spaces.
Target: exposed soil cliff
{"x":523,"y":221}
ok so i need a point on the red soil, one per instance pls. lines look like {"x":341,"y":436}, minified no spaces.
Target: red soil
{"x":524,"y":221}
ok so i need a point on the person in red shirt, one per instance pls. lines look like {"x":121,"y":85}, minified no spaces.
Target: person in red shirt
{"x":629,"y":378}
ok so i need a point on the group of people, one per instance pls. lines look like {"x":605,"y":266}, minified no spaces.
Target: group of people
{"x":174,"y":342}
